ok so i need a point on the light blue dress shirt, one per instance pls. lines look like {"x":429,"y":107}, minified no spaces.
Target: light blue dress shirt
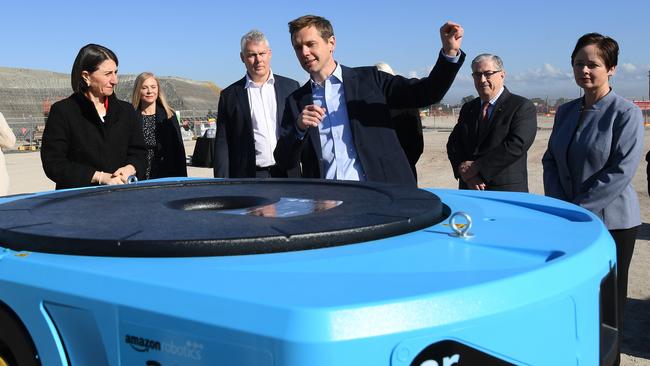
{"x":340,"y":160}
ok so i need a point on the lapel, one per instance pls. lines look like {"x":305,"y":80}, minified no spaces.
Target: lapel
{"x":351,"y":90}
{"x":495,"y":118}
{"x":350,"y":83}
{"x":161,"y":115}
{"x":90,"y":113}
{"x":304,"y":98}
{"x":280,"y":99}
{"x":567,"y":131}
{"x":474,"y":111}
{"x":242,"y":99}
{"x":112,"y":111}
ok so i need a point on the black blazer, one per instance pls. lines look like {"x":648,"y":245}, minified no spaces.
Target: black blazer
{"x":370,"y":94}
{"x":76,"y":143}
{"x":500,"y":147}
{"x":234,"y":153}
{"x":408,"y":126}
{"x":169,"y":154}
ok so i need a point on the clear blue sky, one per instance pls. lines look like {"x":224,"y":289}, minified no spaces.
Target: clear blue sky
{"x":200,"y":39}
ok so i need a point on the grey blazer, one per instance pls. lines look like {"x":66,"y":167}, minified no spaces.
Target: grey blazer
{"x":591,"y":162}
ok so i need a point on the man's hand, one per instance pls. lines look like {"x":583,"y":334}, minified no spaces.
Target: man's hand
{"x":451,"y":35}
{"x":469,"y":173}
{"x":475,"y":183}
{"x":311,"y":116}
{"x":468,"y":169}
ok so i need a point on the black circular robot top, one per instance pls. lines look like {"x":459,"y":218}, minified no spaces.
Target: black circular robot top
{"x":214,"y":217}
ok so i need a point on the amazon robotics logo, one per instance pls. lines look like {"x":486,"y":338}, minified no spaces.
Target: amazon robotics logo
{"x":188,"y":349}
{"x":142,"y":344}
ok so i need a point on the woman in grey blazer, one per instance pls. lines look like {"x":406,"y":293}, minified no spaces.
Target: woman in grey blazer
{"x":595,"y":149}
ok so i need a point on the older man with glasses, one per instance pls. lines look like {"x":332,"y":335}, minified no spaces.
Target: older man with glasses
{"x":487,"y":148}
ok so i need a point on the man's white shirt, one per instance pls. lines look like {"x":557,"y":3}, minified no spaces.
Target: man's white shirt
{"x":263,"y":106}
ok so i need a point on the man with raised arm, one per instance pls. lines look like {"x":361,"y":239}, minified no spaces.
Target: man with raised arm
{"x":338,"y":125}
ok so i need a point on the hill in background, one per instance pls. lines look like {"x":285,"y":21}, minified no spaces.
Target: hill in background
{"x":25,"y":92}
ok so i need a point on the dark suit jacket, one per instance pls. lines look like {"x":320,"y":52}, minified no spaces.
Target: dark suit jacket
{"x":408,"y":127}
{"x":169,"y":154}
{"x":76,"y":143}
{"x":500,"y":147}
{"x":370,"y":94}
{"x":234,"y":153}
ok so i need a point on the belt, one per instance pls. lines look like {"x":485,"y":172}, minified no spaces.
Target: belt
{"x":264,"y":168}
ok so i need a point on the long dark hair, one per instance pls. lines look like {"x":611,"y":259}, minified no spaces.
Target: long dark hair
{"x":88,"y":59}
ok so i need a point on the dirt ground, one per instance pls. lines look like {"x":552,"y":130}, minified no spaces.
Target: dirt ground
{"x":26,"y":175}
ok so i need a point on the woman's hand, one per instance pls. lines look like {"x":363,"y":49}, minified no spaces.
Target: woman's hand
{"x":124,"y":173}
{"x":112,"y":180}
{"x":103,"y":178}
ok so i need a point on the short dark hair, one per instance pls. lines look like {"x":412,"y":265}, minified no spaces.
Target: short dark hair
{"x":321,"y":24}
{"x":88,"y":59}
{"x":607,"y":47}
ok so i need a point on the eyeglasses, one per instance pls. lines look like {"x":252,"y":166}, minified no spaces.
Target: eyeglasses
{"x":488,"y":74}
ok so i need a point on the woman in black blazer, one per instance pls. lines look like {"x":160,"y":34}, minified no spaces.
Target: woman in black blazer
{"x":162,"y":134}
{"x":91,"y":137}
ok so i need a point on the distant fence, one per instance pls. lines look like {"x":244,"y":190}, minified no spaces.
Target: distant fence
{"x":29,"y":130}
{"x":199,"y":121}
{"x":448,"y":121}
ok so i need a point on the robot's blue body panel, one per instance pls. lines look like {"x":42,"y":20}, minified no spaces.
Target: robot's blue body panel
{"x":524,"y":289}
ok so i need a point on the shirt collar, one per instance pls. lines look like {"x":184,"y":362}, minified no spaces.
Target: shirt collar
{"x":251,"y":84}
{"x":494,"y":100}
{"x":602,"y":102}
{"x":337,"y":75}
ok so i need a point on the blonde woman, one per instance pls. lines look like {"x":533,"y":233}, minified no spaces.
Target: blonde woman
{"x":162,"y":133}
{"x":7,"y":140}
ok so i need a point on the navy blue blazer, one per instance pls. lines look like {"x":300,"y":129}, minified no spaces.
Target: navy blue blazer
{"x":370,"y":94}
{"x":591,"y":162}
{"x":234,"y":153}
